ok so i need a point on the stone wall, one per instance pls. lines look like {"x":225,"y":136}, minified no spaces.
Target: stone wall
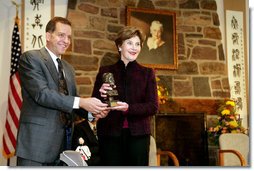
{"x":202,"y":69}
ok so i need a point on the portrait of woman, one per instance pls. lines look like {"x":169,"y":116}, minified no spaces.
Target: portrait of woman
{"x":156,"y":49}
{"x":159,"y":47}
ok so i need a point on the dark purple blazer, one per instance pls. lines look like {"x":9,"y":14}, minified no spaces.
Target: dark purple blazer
{"x":136,"y":85}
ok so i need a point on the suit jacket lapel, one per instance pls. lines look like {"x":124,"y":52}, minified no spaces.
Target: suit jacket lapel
{"x":68,"y":75}
{"x":50,"y":64}
{"x":90,"y":133}
{"x":52,"y":69}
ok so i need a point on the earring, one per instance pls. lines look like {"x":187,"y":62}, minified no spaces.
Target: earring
{"x":120,"y":49}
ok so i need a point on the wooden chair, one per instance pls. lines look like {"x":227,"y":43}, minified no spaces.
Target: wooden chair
{"x":234,"y":149}
{"x":169,"y":154}
{"x":155,"y":156}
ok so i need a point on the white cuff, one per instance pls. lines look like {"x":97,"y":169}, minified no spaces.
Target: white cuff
{"x":76,"y":103}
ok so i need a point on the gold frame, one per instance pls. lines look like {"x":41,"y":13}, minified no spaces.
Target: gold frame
{"x":142,"y":18}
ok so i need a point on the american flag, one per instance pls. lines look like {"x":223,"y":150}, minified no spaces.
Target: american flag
{"x":14,"y":98}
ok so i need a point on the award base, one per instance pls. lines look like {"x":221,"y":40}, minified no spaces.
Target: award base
{"x":112,"y":103}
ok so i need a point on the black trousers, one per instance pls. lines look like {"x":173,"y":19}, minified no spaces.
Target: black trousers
{"x":124,"y":150}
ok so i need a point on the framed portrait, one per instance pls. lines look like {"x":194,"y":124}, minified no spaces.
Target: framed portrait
{"x":159,"y":49}
{"x":35,"y":16}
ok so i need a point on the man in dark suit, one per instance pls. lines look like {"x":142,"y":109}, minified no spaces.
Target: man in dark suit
{"x":87,"y":131}
{"x":42,"y":130}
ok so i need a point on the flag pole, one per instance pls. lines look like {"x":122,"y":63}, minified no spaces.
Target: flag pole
{"x":17,"y":11}
{"x":8,"y":162}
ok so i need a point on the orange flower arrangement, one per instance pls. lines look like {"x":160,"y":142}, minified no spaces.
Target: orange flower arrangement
{"x":228,"y":121}
{"x":163,"y":94}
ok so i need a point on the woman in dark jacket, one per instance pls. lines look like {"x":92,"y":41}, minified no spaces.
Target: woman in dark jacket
{"x":124,"y":132}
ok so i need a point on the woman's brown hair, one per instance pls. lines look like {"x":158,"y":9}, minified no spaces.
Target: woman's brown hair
{"x":127,"y":33}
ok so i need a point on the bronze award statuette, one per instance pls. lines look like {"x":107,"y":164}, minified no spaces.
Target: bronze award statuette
{"x":111,"y":94}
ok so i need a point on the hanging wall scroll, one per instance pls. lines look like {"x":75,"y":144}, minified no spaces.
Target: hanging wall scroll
{"x":236,"y":62}
{"x":35,"y":16}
